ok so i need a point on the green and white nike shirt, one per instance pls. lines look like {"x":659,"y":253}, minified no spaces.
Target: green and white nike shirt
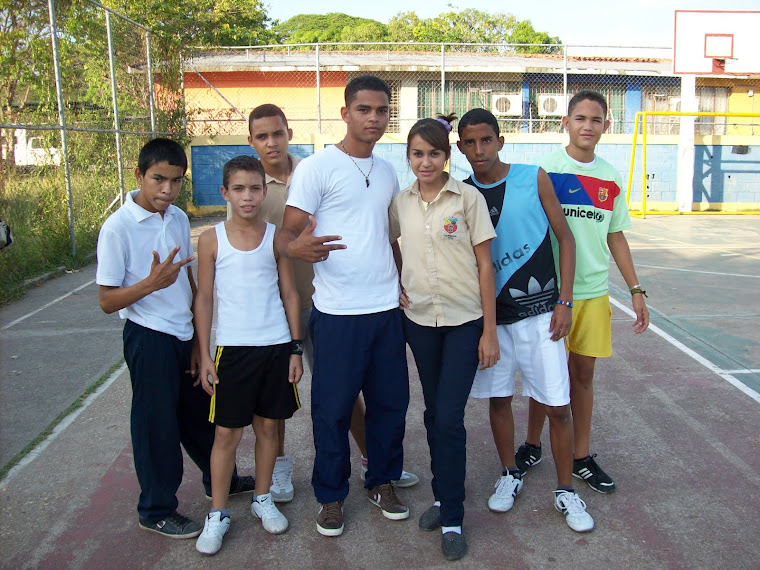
{"x":594,"y":206}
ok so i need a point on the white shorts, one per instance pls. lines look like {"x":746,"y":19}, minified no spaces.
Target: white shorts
{"x":527,"y":346}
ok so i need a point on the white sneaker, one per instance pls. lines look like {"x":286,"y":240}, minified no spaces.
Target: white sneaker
{"x":214,"y":529}
{"x":406,"y":480}
{"x":273,"y":520}
{"x":574,"y":509}
{"x":507,"y":488}
{"x":282,"y":484}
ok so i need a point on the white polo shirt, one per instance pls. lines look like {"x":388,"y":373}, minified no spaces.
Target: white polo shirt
{"x":125,"y":245}
{"x":362,"y":278}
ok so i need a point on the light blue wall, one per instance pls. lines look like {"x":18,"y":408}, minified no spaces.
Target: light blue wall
{"x":208,"y":162}
{"x":719,"y":174}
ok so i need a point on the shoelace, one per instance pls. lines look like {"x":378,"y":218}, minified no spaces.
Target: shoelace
{"x":503,"y":483}
{"x":388,"y":491}
{"x":571,"y":502}
{"x":270,"y":510}
{"x":332,"y":510}
{"x":280,"y":478}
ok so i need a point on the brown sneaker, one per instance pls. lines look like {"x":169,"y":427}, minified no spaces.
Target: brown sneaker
{"x":384,"y":496}
{"x":330,"y":519}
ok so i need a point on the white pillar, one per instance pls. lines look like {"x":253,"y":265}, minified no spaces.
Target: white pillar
{"x":685,"y":185}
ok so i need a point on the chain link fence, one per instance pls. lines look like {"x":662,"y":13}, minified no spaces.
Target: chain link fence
{"x":88,"y":88}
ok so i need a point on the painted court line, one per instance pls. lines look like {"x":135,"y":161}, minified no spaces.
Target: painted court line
{"x":699,"y":271}
{"x":726,"y":375}
{"x":45,"y":306}
{"x":59,"y":429}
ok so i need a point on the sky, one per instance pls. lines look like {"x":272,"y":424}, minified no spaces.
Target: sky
{"x":645,"y":23}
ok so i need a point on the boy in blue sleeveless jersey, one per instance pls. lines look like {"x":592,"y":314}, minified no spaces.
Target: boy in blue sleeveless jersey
{"x":532,"y":314}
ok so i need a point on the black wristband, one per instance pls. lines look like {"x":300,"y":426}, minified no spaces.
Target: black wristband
{"x":296,"y":347}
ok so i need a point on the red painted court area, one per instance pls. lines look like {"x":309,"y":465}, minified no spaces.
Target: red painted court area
{"x":676,"y":424}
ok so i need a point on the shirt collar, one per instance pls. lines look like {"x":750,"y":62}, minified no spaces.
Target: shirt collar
{"x":138,"y":212}
{"x":451,"y":185}
{"x":293,"y":161}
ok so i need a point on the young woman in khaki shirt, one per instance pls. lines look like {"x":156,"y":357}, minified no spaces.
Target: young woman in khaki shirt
{"x":448,"y":297}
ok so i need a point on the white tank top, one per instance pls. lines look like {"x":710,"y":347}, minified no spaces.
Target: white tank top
{"x":249,"y":308}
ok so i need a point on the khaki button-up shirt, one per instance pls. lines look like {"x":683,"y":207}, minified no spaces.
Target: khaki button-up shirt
{"x":272,"y":211}
{"x":440,"y":272}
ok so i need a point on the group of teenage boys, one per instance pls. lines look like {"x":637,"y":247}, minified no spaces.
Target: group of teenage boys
{"x":320,"y":233}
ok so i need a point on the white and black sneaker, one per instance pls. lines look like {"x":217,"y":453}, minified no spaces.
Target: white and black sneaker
{"x":588,"y":470}
{"x":507,"y":488}
{"x":173,"y":526}
{"x":214,"y":529}
{"x":574,"y":509}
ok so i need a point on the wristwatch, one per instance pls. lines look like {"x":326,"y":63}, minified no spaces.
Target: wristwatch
{"x":296,"y":347}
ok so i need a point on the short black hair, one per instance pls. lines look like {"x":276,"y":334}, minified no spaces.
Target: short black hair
{"x":435,"y":132}
{"x":267,"y":110}
{"x":478,"y":117}
{"x":587,"y":95}
{"x":365,"y":83}
{"x":243,"y":162}
{"x":161,"y":150}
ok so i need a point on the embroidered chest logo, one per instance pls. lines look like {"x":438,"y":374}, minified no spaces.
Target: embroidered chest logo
{"x":604,"y":193}
{"x":450,"y":224}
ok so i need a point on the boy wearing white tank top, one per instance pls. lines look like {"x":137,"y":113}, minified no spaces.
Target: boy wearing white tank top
{"x":258,"y":362}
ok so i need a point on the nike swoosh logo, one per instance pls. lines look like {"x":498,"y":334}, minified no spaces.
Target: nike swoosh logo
{"x":574,"y":191}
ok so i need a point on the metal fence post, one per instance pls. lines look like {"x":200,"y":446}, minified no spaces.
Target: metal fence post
{"x":114,"y":101}
{"x":319,"y":96}
{"x":564,"y":73}
{"x":184,"y":102}
{"x":62,"y":123}
{"x":151,"y":96}
{"x":443,"y":79}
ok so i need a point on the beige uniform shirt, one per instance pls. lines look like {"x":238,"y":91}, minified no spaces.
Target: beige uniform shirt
{"x":272,"y":211}
{"x":440,"y":272}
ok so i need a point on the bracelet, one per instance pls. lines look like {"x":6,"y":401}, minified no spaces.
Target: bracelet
{"x":637,"y":289}
{"x":566,"y":303}
{"x":296,"y":347}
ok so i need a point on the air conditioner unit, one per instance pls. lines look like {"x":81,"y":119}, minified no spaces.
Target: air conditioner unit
{"x":506,"y":105}
{"x":552,"y":106}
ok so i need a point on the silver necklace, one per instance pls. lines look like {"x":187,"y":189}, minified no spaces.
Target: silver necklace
{"x":366,"y":176}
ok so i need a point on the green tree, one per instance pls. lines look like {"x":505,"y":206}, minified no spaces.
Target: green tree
{"x":333,"y":27}
{"x":202,"y":22}
{"x":401,"y":27}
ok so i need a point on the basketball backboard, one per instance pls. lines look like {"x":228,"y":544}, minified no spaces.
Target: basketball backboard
{"x":714,"y":42}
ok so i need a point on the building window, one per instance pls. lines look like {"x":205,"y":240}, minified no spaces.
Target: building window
{"x":712,"y":100}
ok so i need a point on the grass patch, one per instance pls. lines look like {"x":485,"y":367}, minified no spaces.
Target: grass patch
{"x":75,"y":405}
{"x":35,"y":205}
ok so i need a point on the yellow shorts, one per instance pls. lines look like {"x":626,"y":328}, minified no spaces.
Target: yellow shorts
{"x":591,"y":331}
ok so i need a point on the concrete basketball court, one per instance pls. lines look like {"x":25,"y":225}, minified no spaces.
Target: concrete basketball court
{"x":676,"y":424}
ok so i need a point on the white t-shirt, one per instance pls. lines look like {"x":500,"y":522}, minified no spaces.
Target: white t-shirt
{"x":362,"y":278}
{"x":125,"y":245}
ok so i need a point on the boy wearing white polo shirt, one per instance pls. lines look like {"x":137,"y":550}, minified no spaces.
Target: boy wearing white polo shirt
{"x":155,"y":298}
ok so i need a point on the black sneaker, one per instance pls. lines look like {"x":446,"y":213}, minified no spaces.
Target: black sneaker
{"x":174,"y":526}
{"x":240,"y":486}
{"x":431,"y":519}
{"x":591,"y":473}
{"x":527,"y":456}
{"x":453,"y":545}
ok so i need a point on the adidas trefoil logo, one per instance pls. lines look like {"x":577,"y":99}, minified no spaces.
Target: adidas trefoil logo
{"x":535,"y":295}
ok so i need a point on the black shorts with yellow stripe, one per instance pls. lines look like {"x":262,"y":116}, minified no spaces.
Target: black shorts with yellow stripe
{"x":253,"y":380}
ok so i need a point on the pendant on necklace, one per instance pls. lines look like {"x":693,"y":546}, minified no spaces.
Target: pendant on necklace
{"x":367,"y":181}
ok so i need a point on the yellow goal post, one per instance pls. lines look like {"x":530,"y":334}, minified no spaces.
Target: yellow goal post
{"x":641,"y":122}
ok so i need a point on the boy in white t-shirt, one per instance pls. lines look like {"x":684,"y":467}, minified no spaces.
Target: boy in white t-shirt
{"x":259,"y":347}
